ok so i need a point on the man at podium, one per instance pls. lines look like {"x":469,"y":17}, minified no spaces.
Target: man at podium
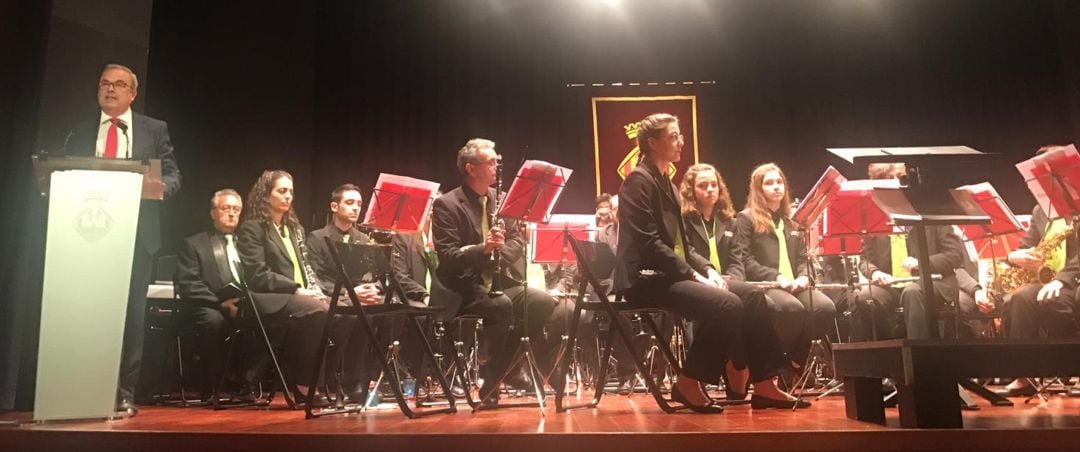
{"x":119,"y":133}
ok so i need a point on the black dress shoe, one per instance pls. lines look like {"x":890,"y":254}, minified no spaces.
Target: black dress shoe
{"x":1024,"y":391}
{"x":761,"y":403}
{"x":127,"y":406}
{"x":708,"y":408}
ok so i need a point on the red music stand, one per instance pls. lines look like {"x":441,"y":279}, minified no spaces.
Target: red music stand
{"x":984,"y":237}
{"x":1054,"y":179}
{"x":551,"y":241}
{"x":531,"y":197}
{"x":399,"y":203}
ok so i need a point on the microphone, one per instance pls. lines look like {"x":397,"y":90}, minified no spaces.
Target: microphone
{"x":124,"y":128}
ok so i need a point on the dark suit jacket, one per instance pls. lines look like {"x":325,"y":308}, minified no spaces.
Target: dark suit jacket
{"x":649,"y":218}
{"x":946,"y":255}
{"x":322,"y":261}
{"x":609,"y":235}
{"x":202,"y":268}
{"x":266,"y":263}
{"x":761,"y":251}
{"x":409,"y":262}
{"x":731,"y":256}
{"x":456,"y":229}
{"x":151,"y":141}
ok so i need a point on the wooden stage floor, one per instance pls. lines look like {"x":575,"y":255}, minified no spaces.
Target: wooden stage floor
{"x":621,"y":423}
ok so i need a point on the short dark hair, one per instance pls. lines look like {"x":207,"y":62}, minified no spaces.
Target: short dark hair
{"x":335,"y":196}
{"x":604,"y":197}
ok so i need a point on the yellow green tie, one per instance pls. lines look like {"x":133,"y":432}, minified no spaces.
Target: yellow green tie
{"x":484,"y":228}
{"x":430,"y":259}
{"x":680,"y":250}
{"x":714,"y":255}
{"x":344,"y":238}
{"x":1056,"y":259}
{"x":298,"y":275}
{"x":898,"y":250}
{"x":232,"y":256}
{"x":785,"y":261}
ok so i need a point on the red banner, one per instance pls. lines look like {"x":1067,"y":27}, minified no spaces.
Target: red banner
{"x":615,"y":130}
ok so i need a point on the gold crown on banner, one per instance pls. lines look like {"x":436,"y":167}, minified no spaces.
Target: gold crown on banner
{"x":632,"y":130}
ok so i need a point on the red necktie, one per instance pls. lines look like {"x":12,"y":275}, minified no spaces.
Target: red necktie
{"x":111,"y":140}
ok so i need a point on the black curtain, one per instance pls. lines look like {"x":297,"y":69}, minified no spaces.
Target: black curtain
{"x":23,"y":27}
{"x":339,"y":91}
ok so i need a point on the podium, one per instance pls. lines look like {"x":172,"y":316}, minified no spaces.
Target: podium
{"x":90,"y":243}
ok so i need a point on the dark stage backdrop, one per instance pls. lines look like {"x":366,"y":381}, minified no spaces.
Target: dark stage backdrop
{"x":338,"y":91}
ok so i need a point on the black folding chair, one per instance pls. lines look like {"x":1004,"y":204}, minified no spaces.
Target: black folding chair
{"x":594,"y":259}
{"x":349,"y":259}
{"x":249,"y":321}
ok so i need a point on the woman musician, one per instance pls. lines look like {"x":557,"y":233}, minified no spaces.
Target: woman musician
{"x":269,"y":242}
{"x":775,"y":252}
{"x":658,"y":267}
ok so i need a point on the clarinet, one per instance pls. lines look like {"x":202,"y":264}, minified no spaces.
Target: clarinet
{"x":495,"y":221}
{"x":309,"y":273}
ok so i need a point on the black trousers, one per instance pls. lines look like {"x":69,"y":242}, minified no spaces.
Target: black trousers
{"x":791,"y":319}
{"x":134,"y":323}
{"x":303,"y":318}
{"x":212,"y":326}
{"x":1023,"y":315}
{"x":505,"y":318}
{"x":876,"y":308}
{"x":717,"y":315}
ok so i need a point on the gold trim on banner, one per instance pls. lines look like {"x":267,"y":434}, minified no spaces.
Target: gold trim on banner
{"x":596,"y":135}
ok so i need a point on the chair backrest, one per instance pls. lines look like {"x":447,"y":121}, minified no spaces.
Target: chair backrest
{"x":594,"y":259}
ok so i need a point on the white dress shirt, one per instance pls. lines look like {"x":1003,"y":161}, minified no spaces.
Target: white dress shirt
{"x":122,"y":141}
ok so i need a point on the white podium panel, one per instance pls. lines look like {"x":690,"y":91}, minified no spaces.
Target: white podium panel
{"x":93,"y":218}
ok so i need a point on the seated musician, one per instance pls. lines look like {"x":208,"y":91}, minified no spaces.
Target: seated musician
{"x":710,"y":226}
{"x":973,"y":296}
{"x":604,"y":212}
{"x":758,"y":232}
{"x":207,"y":279}
{"x":1035,"y":306}
{"x":886,"y":258}
{"x":345,"y":205}
{"x":466,"y":237}
{"x":658,"y":267}
{"x":284,"y":287}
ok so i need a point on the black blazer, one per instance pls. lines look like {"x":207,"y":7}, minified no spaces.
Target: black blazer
{"x":455,"y":226}
{"x":266,"y":263}
{"x":946,"y":255}
{"x":731,"y":256}
{"x":761,"y":251}
{"x":202,"y":268}
{"x":151,"y":141}
{"x":649,"y":218}
{"x":410,"y":264}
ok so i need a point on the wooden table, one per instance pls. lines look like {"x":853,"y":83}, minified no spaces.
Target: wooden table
{"x":926,"y":372}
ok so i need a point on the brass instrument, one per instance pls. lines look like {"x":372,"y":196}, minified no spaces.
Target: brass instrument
{"x":831,"y":286}
{"x":1010,"y":278}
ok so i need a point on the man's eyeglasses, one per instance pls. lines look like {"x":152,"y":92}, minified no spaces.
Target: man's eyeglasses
{"x":118,"y":85}
{"x":227,"y":209}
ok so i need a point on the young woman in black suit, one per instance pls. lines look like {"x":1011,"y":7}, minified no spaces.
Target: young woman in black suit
{"x":658,"y":267}
{"x":767,"y":258}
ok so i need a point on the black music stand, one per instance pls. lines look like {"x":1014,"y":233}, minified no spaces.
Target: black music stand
{"x":531,"y":197}
{"x":927,"y":199}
